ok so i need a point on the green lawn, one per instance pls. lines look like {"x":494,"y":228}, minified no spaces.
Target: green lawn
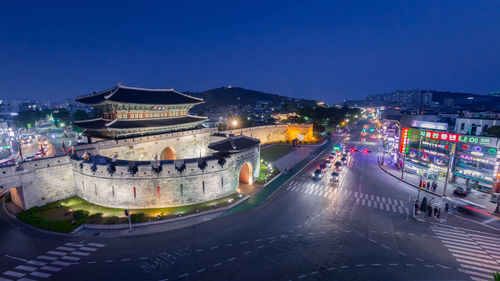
{"x":275,"y":152}
{"x":262,"y":176}
{"x":54,"y":218}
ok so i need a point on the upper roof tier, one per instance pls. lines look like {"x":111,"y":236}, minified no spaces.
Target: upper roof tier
{"x":126,"y":94}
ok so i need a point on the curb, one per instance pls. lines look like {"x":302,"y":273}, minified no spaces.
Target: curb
{"x":270,"y":197}
{"x":142,"y":224}
{"x":413,"y":185}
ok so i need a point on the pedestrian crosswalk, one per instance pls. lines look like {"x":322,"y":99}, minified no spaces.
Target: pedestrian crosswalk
{"x":325,"y":190}
{"x":45,"y":265}
{"x":477,"y":254}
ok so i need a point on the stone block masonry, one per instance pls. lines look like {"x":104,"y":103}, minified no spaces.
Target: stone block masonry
{"x":276,"y":133}
{"x":39,"y":182}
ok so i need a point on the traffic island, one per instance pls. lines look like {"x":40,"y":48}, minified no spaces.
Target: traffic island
{"x":67,"y":215}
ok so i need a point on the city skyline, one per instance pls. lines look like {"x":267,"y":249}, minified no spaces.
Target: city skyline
{"x":326,"y":51}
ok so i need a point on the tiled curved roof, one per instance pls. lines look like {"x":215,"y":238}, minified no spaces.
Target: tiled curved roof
{"x":233,"y":144}
{"x":126,"y":94}
{"x":100,"y":124}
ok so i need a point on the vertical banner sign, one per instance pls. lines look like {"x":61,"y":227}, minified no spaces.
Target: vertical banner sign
{"x":403,"y":144}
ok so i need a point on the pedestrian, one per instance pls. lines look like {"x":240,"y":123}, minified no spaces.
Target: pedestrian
{"x":446,"y":207}
{"x":428,"y":185}
{"x":429,"y":210}
{"x":435,"y":211}
{"x":416,"y":207}
{"x":438,"y":213}
{"x":434,"y":186}
{"x":423,"y":205}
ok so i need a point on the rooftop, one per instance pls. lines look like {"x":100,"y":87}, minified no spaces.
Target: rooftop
{"x":126,"y":94}
{"x":234,"y":144}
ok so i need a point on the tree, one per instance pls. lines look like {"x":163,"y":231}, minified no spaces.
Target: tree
{"x":494,"y":131}
{"x":24,"y":118}
{"x":61,"y":116}
{"x":79,"y":115}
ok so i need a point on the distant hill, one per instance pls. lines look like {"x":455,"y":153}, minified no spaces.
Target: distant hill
{"x":235,"y":95}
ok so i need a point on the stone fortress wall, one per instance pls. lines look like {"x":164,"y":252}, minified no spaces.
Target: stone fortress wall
{"x":179,"y":183}
{"x":39,"y":182}
{"x":276,"y":133}
{"x":43,"y":181}
{"x":185,"y":144}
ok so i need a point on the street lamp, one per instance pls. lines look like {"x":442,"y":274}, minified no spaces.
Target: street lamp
{"x":235,"y":123}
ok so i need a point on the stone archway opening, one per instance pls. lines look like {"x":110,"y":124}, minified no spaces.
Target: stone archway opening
{"x":246,"y":173}
{"x":168,"y":153}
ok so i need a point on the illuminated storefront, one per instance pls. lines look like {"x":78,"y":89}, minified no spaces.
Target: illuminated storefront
{"x":473,"y":160}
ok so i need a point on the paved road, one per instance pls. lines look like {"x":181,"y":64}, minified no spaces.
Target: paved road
{"x":311,"y":230}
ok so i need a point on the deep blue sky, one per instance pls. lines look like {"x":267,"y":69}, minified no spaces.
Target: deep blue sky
{"x":325,"y":50}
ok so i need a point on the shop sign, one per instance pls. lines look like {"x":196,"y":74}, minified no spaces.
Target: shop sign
{"x":403,"y":144}
{"x":429,"y":125}
{"x":474,"y":174}
{"x":456,"y":138}
{"x":466,"y":157}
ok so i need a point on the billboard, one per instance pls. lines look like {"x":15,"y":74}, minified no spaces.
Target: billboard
{"x":429,"y":125}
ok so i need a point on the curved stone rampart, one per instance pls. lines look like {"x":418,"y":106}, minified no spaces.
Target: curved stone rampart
{"x":179,"y":183}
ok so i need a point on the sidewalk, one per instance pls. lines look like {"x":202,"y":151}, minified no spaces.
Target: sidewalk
{"x":293,"y":158}
{"x":479,"y":199}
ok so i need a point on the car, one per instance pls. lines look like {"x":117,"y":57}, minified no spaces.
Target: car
{"x":338,"y":165}
{"x":353,"y":150}
{"x":367,"y":151}
{"x":323,"y":166}
{"x":347,"y":151}
{"x":343,"y":160}
{"x":462,"y":191}
{"x":318,"y":174}
{"x":335,"y":176}
{"x":328,"y":162}
{"x":331,"y":157}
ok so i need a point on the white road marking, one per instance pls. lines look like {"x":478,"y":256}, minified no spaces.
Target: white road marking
{"x":13,"y":273}
{"x":51,"y":268}
{"x":184,"y":275}
{"x":56,"y":253}
{"x":40,"y":274}
{"x":74,"y":245}
{"x":200,"y":270}
{"x":88,"y":249}
{"x":63,"y":263}
{"x":39,"y":263}
{"x":47,"y":258}
{"x":16,"y":258}
{"x":80,"y":253}
{"x":25,"y":268}
{"x":96,"y":245}
{"x":247,"y":252}
{"x":231,"y":259}
{"x":70,"y":258}
{"x":229,"y":245}
{"x":217,"y":264}
{"x":65,"y":248}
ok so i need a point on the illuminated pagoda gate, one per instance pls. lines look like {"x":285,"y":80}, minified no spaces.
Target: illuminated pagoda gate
{"x":123,"y":111}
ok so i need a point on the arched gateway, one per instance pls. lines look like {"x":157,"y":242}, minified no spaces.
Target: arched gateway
{"x":246,"y":173}
{"x":168,"y":154}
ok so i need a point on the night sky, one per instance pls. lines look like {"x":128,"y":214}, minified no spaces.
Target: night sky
{"x":325,"y":50}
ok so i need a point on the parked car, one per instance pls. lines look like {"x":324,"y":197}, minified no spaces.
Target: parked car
{"x":335,"y":176}
{"x":318,"y":174}
{"x":462,"y":191}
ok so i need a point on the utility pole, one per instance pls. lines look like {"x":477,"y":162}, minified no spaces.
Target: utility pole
{"x":452,"y":157}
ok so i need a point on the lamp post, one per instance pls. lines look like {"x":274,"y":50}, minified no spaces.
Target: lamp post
{"x":235,"y":123}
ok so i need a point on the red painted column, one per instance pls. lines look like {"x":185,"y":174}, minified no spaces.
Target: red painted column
{"x":135,"y":195}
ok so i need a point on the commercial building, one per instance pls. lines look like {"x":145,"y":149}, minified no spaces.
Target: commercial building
{"x":471,"y":160}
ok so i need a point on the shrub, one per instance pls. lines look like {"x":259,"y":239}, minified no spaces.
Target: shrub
{"x":112,"y":220}
{"x":139,"y":217}
{"x":8,"y":198}
{"x":80,"y":214}
{"x":95,"y":218}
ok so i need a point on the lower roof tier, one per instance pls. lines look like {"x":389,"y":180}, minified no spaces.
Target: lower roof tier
{"x":131,"y":127}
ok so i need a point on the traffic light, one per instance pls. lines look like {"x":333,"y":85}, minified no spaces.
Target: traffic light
{"x":125,"y":212}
